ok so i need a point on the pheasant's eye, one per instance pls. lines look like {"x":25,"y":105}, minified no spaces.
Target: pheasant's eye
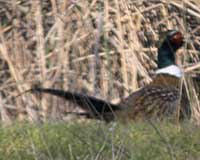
{"x":177,"y":39}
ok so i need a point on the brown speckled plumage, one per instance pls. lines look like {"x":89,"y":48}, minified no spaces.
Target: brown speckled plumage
{"x":158,"y":99}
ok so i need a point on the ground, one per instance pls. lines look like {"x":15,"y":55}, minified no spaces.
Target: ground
{"x":96,"y":140}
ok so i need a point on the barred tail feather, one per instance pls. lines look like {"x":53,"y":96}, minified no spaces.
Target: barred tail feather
{"x":95,"y":106}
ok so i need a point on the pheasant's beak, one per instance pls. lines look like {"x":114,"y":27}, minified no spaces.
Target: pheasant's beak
{"x":183,"y":42}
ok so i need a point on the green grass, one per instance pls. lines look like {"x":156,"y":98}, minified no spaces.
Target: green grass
{"x":90,"y":141}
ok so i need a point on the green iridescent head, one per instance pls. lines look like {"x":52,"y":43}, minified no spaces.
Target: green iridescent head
{"x":167,"y":50}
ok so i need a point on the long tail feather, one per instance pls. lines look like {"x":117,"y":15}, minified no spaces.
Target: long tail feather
{"x":95,"y":106}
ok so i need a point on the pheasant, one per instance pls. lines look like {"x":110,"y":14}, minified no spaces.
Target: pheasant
{"x":158,"y":99}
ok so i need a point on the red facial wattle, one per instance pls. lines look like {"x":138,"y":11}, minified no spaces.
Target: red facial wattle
{"x":177,"y":39}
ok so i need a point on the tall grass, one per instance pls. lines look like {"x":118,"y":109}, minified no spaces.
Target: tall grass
{"x":104,"y":48}
{"x":96,"y":141}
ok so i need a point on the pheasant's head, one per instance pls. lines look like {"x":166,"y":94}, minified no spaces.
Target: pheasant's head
{"x":173,"y":40}
{"x":167,"y":50}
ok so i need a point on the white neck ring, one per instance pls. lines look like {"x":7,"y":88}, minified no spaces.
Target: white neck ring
{"x":171,"y":70}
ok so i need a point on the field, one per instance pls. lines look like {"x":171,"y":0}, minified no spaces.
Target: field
{"x":97,"y":141}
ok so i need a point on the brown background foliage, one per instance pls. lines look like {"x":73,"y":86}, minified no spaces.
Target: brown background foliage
{"x":103,"y":48}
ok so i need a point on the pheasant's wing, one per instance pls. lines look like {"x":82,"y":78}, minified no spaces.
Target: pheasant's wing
{"x":152,"y":101}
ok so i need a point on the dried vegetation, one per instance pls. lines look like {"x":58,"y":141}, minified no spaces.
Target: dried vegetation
{"x":104,"y":48}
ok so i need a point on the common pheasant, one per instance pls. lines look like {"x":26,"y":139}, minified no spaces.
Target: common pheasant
{"x":160,"y":98}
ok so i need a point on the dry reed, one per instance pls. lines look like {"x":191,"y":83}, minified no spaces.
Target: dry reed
{"x":104,"y":48}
